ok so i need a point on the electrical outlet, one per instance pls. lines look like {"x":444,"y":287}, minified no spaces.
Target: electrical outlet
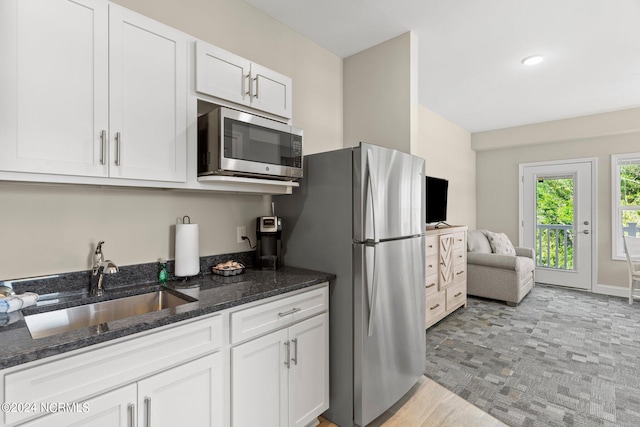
{"x":241,"y":230}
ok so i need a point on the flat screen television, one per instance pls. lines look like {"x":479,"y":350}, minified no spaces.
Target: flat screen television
{"x":436,"y":196}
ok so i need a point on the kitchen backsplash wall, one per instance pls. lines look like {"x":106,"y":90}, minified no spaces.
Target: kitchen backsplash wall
{"x":47,"y":229}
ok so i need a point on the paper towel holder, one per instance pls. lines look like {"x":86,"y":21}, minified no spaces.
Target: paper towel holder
{"x":185,"y":219}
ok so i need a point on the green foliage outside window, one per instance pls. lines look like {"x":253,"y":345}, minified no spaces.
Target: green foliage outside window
{"x":630,"y":198}
{"x":554,"y":201}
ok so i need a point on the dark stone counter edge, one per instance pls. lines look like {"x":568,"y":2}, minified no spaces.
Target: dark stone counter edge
{"x":41,"y":353}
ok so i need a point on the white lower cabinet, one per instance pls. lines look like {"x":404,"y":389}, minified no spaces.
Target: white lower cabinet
{"x":113,"y":409}
{"x":281,"y":379}
{"x":187,"y":392}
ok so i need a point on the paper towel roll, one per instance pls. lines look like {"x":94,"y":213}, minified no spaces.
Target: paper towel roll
{"x":187,"y":250}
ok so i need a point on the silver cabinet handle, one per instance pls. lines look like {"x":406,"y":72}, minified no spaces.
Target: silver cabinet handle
{"x":103,"y":147}
{"x":118,"y":142}
{"x":147,"y":413}
{"x":586,"y":231}
{"x":287,"y":313}
{"x":255,"y":95}
{"x":294,"y":359}
{"x":247,"y":79}
{"x":288,"y":356}
{"x":131,"y":409}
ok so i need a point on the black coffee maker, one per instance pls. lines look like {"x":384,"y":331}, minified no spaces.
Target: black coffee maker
{"x":269,"y":246}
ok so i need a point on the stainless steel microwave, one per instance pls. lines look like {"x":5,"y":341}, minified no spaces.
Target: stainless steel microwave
{"x":231,"y":142}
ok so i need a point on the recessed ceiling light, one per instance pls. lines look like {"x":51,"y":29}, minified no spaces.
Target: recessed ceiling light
{"x":532,"y":60}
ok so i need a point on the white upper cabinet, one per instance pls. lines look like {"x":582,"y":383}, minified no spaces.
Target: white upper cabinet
{"x":91,"y":89}
{"x":227,"y":76}
{"x":54,"y":85}
{"x":148,"y":103}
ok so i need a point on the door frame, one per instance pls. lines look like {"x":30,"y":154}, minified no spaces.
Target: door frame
{"x":594,"y":204}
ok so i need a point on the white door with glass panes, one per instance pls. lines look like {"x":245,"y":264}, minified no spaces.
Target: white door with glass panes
{"x":556,"y":219}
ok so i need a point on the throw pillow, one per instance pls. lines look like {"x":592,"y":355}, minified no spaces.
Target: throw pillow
{"x":500,"y":244}
{"x":477,"y":242}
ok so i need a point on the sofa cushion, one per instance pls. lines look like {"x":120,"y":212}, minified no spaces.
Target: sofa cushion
{"x":500,"y":243}
{"x":477,"y":242}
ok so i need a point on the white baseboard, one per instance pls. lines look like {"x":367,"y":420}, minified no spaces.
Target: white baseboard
{"x":614,"y":291}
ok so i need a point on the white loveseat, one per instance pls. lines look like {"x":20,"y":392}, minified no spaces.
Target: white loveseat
{"x":498,"y":270}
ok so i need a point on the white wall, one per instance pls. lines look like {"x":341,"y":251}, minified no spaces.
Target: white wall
{"x":47,"y":229}
{"x":447,"y":151}
{"x":380,"y":89}
{"x":500,"y":152}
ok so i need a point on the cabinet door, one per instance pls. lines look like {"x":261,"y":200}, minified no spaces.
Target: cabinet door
{"x":113,"y":409}
{"x":222,"y":74}
{"x":53,"y":86}
{"x":309,"y":373}
{"x":148,"y":95}
{"x":259,"y":381}
{"x":271,"y":91}
{"x":189,"y":394}
{"x":446,"y":260}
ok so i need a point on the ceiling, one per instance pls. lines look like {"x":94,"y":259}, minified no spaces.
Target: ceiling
{"x":470,"y":52}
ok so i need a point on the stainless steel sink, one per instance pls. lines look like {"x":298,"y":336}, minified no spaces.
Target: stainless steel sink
{"x":97,"y":314}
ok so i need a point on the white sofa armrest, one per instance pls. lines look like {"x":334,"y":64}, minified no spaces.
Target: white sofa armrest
{"x":527,"y":252}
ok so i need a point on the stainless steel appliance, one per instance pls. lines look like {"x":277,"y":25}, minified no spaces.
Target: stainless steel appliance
{"x":231,"y":142}
{"x":269,"y":245}
{"x":359,"y":213}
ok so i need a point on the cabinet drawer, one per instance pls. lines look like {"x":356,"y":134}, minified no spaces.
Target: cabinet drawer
{"x":460,"y":273}
{"x":264,"y":318}
{"x":435,"y":306}
{"x":459,"y":256}
{"x":73,"y":378}
{"x":459,"y":240}
{"x":431,"y":265}
{"x":431,"y":285}
{"x":456,"y":295}
{"x":431,"y":245}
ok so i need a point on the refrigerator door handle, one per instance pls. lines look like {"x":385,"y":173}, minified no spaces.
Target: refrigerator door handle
{"x":373,"y":293}
{"x":373,"y":191}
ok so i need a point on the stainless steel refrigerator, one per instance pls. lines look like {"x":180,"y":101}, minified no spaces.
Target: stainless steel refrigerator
{"x":359,"y":213}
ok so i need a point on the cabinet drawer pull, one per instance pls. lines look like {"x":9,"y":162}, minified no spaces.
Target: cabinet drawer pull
{"x":434,"y":307}
{"x":292,"y":311}
{"x":103,"y":147}
{"x":460,"y":272}
{"x":294,"y":358}
{"x":255,"y":95}
{"x":430,"y":286}
{"x":287,"y":356}
{"x":430,"y":266}
{"x":248,"y":80}
{"x":147,"y":409}
{"x":131,"y":412}
{"x":457,"y":295}
{"x":118,"y":142}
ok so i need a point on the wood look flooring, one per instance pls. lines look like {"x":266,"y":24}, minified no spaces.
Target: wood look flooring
{"x":429,"y":404}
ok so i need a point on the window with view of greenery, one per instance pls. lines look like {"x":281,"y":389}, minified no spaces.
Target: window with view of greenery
{"x":625,"y":200}
{"x":554,"y":231}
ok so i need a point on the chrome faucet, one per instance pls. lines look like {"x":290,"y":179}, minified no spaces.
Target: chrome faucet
{"x":102,"y":266}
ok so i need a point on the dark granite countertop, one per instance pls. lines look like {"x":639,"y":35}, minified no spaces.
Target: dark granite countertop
{"x":215,"y":293}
